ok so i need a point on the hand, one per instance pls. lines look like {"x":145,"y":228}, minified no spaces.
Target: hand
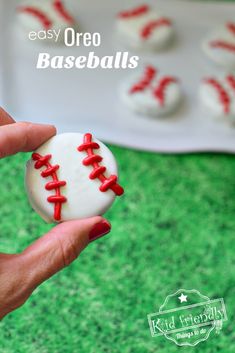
{"x":21,"y":273}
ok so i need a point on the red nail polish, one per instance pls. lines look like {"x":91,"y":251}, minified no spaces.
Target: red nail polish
{"x":99,"y":230}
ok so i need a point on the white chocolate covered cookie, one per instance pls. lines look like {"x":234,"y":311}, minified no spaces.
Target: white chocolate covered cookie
{"x":219,"y":46}
{"x":72,"y":176}
{"x":218,"y":96}
{"x":151,"y":93}
{"x":143,"y":28}
{"x":50,"y":16}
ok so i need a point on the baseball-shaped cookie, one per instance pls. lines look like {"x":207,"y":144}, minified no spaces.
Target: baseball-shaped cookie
{"x":151,"y":93}
{"x":218,"y":96}
{"x":219,"y":46}
{"x":143,"y":28}
{"x":35,"y":15}
{"x":72,"y":176}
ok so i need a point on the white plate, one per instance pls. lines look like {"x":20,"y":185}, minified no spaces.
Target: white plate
{"x":87,"y":100}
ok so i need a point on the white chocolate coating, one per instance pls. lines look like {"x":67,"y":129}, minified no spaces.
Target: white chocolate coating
{"x":211,"y":101}
{"x":84,"y":199}
{"x":129,"y":32}
{"x":145,"y":103}
{"x":220,"y":56}
{"x":30,"y":22}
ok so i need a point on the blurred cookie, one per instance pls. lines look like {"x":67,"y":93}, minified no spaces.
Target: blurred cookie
{"x":47,"y":16}
{"x":218,"y":96}
{"x":151,"y":93}
{"x":143,"y":28}
{"x":219,"y":46}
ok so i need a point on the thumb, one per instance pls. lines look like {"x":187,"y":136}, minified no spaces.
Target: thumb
{"x":61,"y":246}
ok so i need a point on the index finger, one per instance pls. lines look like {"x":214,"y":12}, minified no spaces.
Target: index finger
{"x":23,"y":137}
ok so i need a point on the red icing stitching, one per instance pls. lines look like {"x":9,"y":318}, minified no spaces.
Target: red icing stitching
{"x":40,"y":15}
{"x":59,"y":7}
{"x":220,"y":44}
{"x":223,"y":95}
{"x":159,"y":91}
{"x":56,"y":184}
{"x":152,"y":25}
{"x":231,"y":27}
{"x":149,"y":74}
{"x":231,"y":81}
{"x":138,"y":11}
{"x":93,"y":160}
{"x":144,"y":83}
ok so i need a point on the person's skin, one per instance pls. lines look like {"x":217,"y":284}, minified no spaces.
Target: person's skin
{"x":21,"y":273}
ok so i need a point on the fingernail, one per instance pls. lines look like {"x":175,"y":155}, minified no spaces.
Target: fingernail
{"x":51,"y":126}
{"x":99,"y":230}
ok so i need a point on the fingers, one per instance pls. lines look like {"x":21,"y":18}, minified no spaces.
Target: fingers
{"x":61,"y":246}
{"x":14,"y":290}
{"x":5,"y":118}
{"x":21,"y":274}
{"x":23,"y":137}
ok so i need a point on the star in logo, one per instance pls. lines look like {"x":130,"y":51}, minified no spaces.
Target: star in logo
{"x":183,"y":298}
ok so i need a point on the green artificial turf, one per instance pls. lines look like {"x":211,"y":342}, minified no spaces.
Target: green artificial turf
{"x":173,"y":228}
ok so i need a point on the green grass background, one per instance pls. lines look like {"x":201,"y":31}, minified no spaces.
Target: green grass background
{"x":173,"y":228}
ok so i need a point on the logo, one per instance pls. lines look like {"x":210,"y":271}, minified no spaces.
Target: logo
{"x":187,"y":317}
